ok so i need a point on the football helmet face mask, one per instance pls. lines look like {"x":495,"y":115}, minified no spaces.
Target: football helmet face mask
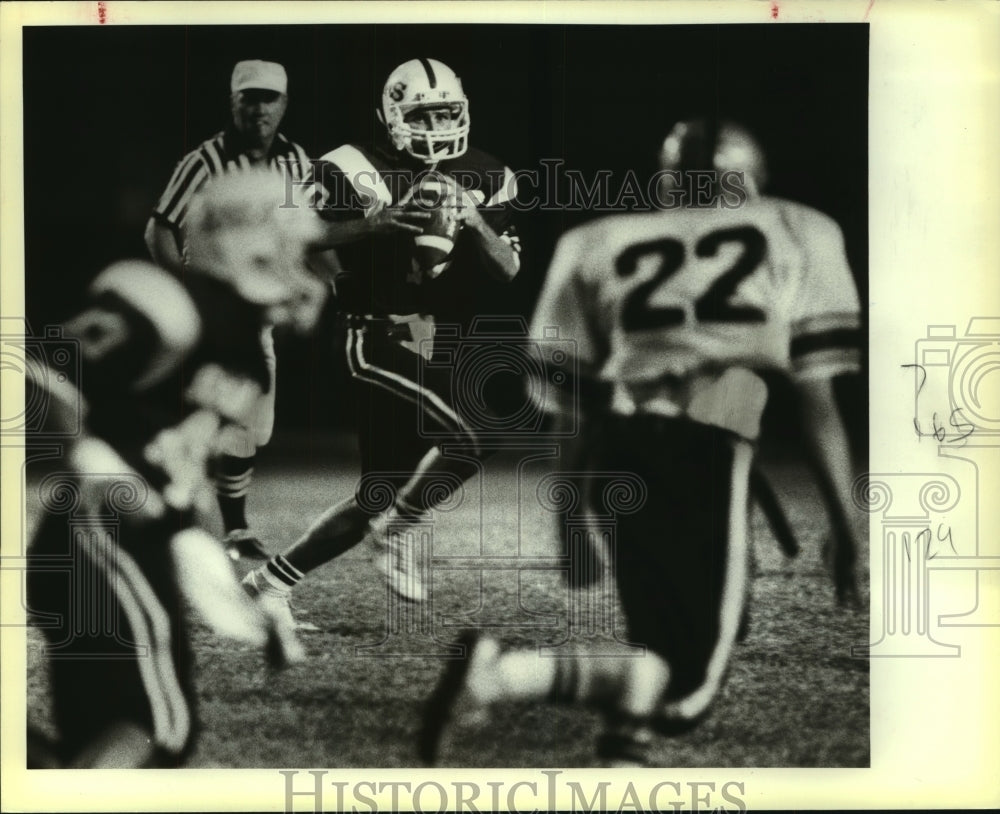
{"x":421,"y":85}
{"x":240,"y":229}
{"x":699,"y":144}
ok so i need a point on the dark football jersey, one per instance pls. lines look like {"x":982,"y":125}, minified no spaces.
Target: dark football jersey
{"x":378,"y":274}
{"x":154,"y":350}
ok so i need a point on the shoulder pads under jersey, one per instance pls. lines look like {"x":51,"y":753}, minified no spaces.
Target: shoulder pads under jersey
{"x":164,"y":302}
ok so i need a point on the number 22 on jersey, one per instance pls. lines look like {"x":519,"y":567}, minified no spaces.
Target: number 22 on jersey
{"x":669,"y":256}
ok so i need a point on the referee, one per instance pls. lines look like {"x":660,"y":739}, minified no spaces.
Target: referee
{"x":259,"y":98}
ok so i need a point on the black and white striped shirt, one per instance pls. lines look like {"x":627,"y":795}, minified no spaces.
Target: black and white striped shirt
{"x":217,"y":155}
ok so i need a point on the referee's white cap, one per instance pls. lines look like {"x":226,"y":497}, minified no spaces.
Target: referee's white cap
{"x":255,"y":73}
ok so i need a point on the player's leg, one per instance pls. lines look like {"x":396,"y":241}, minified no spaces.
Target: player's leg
{"x":402,"y":563}
{"x":233,"y":472}
{"x":235,"y":465}
{"x":436,"y":473}
{"x":387,"y":441}
{"x":682,"y":576}
{"x":682,"y":584}
{"x":587,"y":552}
{"x":629,"y":691}
{"x":388,"y":448}
{"x":686,"y":598}
{"x":392,"y":399}
{"x":344,"y":525}
{"x":118,"y":651}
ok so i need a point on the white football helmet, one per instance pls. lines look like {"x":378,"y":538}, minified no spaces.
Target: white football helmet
{"x":422,"y":83}
{"x":699,"y":144}
{"x":241,"y":229}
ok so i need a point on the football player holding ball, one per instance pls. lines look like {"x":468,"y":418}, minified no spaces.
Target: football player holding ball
{"x":418,"y":220}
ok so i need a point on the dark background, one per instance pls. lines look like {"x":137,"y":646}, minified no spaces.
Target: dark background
{"x":108,"y":112}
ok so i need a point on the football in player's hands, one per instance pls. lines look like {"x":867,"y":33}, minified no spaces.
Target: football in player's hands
{"x":435,"y":194}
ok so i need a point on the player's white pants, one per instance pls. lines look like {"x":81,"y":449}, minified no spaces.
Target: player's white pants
{"x":242,"y":442}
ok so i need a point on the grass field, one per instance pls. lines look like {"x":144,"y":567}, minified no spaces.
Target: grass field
{"x":794,"y":695}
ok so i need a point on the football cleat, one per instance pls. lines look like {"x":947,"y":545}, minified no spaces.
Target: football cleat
{"x":283,"y":647}
{"x":624,"y":749}
{"x":244,"y":544}
{"x":456,"y":699}
{"x":397,"y":556}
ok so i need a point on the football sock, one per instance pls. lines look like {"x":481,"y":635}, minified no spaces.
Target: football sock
{"x":279,"y":574}
{"x":632,"y":686}
{"x":628,"y":691}
{"x":232,"y":482}
{"x":519,"y":675}
{"x":523,"y":675}
{"x":588,"y":680}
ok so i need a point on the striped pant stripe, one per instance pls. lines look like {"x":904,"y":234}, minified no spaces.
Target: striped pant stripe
{"x":733,"y":592}
{"x":423,"y":397}
{"x":150,"y":628}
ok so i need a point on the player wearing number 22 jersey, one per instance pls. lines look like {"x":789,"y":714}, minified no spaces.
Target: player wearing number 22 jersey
{"x":674,"y":315}
{"x":697,"y":294}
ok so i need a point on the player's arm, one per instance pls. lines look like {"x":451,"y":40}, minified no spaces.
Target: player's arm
{"x":380,"y":219}
{"x":499,"y":257}
{"x":571,"y":337}
{"x":356,"y":205}
{"x":825,"y":344}
{"x":829,"y":452}
{"x":491,"y":228}
{"x":573,"y":346}
{"x":384,"y":219}
{"x":162,"y":245}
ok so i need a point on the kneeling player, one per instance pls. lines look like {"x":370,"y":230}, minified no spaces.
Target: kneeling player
{"x":166,"y":366}
{"x":673,"y":314}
